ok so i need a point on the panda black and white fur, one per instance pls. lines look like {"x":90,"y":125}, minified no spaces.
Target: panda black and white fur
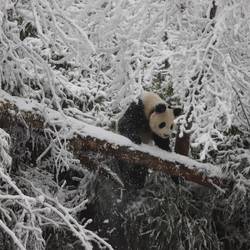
{"x":148,"y":120}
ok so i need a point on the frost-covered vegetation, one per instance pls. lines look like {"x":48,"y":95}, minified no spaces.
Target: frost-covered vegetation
{"x":89,"y":60}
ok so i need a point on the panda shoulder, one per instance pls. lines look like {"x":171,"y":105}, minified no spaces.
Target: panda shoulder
{"x":150,"y":96}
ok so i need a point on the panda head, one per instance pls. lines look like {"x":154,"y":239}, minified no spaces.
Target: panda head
{"x":161,"y":120}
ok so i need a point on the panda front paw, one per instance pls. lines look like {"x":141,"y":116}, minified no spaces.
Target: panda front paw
{"x":136,"y":139}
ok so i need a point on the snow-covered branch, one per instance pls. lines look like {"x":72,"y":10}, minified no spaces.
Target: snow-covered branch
{"x":66,"y":64}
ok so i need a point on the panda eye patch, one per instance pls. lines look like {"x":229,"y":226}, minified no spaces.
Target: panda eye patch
{"x":162,"y":125}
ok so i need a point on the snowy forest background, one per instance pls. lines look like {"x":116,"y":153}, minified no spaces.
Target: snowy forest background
{"x":88,"y":60}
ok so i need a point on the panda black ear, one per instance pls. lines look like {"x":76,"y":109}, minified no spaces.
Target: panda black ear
{"x":177,"y":112}
{"x":160,"y":108}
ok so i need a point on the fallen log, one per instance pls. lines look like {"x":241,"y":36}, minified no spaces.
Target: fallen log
{"x":90,"y":138}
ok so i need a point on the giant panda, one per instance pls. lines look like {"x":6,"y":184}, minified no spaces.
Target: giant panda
{"x":150,"y":119}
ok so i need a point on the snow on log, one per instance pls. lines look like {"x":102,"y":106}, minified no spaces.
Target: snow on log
{"x":87,"y":137}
